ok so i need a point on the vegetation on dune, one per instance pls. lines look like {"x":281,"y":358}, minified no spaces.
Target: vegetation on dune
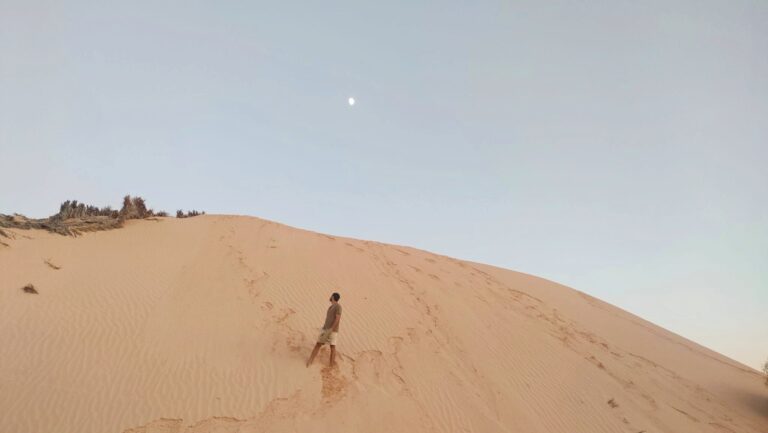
{"x":765,"y":372}
{"x":189,"y":214}
{"x":134,"y":208}
{"x":73,"y":209}
{"x":61,"y":225}
{"x":74,"y":218}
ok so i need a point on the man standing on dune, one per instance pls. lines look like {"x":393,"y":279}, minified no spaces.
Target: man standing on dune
{"x":330,"y":332}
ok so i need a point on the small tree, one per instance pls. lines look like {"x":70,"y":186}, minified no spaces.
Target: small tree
{"x":134,"y":208}
{"x":141,"y":207}
{"x":765,"y":370}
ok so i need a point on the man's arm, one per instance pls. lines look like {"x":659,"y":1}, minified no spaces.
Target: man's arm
{"x":336,"y":322}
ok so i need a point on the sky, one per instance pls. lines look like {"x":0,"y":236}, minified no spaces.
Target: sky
{"x":617,"y":147}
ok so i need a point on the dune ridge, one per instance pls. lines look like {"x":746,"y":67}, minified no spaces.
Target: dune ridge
{"x":203,"y":325}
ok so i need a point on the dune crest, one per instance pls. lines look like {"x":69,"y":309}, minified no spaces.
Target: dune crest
{"x":204,"y":325}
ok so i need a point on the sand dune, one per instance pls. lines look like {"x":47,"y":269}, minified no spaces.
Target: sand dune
{"x":204,"y":325}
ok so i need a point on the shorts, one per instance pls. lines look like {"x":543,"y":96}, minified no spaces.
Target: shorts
{"x":327,"y":336}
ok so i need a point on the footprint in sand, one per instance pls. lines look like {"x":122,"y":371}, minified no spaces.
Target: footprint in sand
{"x":162,"y":425}
{"x":218,"y":424}
{"x":334,"y":385}
{"x":285,"y":314}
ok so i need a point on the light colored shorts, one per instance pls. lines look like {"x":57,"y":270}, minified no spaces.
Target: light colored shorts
{"x":327,"y":336}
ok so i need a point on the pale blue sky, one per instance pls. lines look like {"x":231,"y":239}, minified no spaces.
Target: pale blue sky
{"x":618,"y":147}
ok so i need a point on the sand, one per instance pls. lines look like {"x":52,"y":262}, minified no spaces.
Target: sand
{"x":204,"y":325}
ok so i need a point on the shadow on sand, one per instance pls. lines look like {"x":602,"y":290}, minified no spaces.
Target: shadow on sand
{"x":754,"y":402}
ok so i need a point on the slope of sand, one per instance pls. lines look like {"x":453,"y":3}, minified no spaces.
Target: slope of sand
{"x":204,"y":325}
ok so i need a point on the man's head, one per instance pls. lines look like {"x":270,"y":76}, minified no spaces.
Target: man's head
{"x":335,"y":297}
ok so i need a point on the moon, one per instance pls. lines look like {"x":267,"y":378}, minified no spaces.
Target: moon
{"x":351,"y":101}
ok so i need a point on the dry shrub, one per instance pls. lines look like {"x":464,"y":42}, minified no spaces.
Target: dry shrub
{"x":29,"y":288}
{"x":73,"y":209}
{"x":192,"y":213}
{"x":141,"y":207}
{"x":74,"y":218}
{"x":136,"y":208}
{"x":133,"y":208}
{"x":765,"y":370}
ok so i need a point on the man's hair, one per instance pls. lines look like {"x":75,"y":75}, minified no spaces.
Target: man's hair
{"x":336,"y":296}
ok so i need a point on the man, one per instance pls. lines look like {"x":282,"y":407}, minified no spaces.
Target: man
{"x":330,"y":332}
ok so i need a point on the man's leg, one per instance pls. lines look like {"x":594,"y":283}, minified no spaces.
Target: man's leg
{"x":314,"y":353}
{"x":333,"y":355}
